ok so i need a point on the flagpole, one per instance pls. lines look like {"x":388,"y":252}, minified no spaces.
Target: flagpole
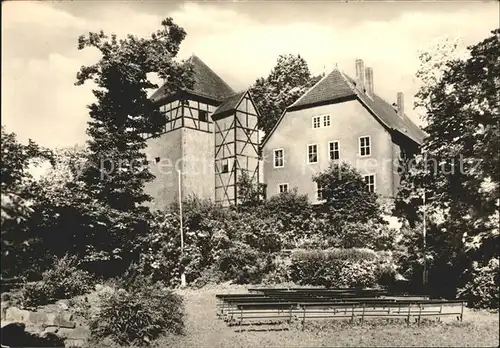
{"x":183,"y":275}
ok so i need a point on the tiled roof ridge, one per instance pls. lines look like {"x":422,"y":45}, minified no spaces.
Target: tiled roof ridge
{"x":357,"y":92}
{"x":310,"y":89}
{"x":213,"y":72}
{"x":229,"y":104}
{"x":404,"y":118}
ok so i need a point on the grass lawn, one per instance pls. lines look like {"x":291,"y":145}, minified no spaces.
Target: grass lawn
{"x":203,"y":329}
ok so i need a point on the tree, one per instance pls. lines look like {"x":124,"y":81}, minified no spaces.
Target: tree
{"x":250,"y":193}
{"x":345,"y":195}
{"x":288,"y":80}
{"x":18,"y":197}
{"x":457,"y":168}
{"x":116,"y":173}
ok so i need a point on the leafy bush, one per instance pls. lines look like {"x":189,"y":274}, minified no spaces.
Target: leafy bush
{"x":279,"y":274}
{"x":244,"y":265}
{"x":138,"y":316}
{"x":208,"y":276}
{"x":262,"y":234}
{"x":373,"y":235}
{"x":482,"y":291}
{"x":357,"y":274}
{"x":160,"y":250}
{"x":336,"y":267}
{"x":346,"y":197}
{"x":63,"y":281}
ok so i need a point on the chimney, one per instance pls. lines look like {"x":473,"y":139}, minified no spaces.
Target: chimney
{"x":401,"y":104}
{"x":369,"y":82}
{"x":360,"y":75}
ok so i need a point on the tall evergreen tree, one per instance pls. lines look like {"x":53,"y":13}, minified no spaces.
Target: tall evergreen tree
{"x":117,"y":172}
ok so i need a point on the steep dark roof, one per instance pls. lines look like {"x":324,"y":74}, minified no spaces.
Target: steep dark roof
{"x":329,"y":88}
{"x":386,"y":113}
{"x":229,"y":104}
{"x":206,"y":83}
{"x":337,"y":86}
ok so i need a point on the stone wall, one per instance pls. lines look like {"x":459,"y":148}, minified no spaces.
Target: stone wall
{"x":49,"y":326}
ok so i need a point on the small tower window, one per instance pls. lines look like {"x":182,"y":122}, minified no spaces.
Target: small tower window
{"x":225,"y":166}
{"x":203,"y":115}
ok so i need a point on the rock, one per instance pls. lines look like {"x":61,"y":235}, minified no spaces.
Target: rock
{"x":51,"y":329}
{"x":74,"y":343}
{"x":16,"y":314}
{"x":36,"y":318}
{"x":78,"y":333}
{"x":5,"y":305}
{"x":63,"y":304}
{"x":63,"y":320}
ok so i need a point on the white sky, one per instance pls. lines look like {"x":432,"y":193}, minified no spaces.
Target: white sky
{"x":240,"y":41}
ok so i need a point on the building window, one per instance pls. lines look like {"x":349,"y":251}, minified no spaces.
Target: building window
{"x":334,"y":151}
{"x":364,"y":146}
{"x":326,"y":121}
{"x":225,"y":166}
{"x":278,"y":158}
{"x":312,"y":153}
{"x":319,"y":192}
{"x":282,"y":188}
{"x":203,"y":115}
{"x":316,"y":121}
{"x":370,"y":182}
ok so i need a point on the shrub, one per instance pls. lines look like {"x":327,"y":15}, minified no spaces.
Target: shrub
{"x":138,"y":316}
{"x":64,"y":280}
{"x":259,"y":234}
{"x":373,"y":235}
{"x":345,"y":195}
{"x":279,"y":274}
{"x":482,"y":291}
{"x":336,"y":267}
{"x":357,"y":274}
{"x":244,"y":265}
{"x":208,"y":276}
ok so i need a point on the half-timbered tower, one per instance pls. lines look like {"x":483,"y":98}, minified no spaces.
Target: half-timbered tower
{"x":194,"y":120}
{"x":236,"y":146}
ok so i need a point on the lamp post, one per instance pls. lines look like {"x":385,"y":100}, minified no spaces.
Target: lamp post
{"x":424,"y":228}
{"x":183,"y":275}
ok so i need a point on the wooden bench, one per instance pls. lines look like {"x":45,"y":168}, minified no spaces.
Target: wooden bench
{"x":287,"y":312}
{"x":264,"y":304}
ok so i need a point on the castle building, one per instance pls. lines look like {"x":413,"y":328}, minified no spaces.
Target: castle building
{"x":210,"y":138}
{"x":340,"y":119}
